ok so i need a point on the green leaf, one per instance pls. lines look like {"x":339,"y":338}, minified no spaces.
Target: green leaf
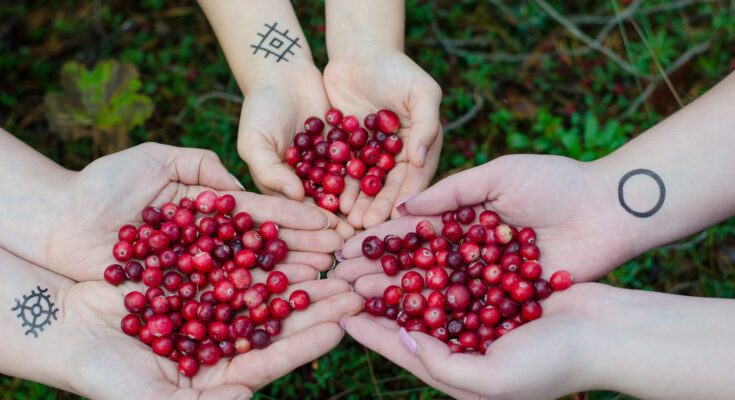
{"x":518,"y":141}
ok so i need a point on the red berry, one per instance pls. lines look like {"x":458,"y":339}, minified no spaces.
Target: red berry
{"x":503,"y":234}
{"x":435,"y":317}
{"x":375,"y":306}
{"x":561,"y":280}
{"x":522,"y":291}
{"x":530,"y":270}
{"x":356,"y":168}
{"x":299,"y":300}
{"x":260,"y":339}
{"x":160,"y":325}
{"x":279,"y":309}
{"x":412,"y":282}
{"x":339,"y":151}
{"x":437,"y":278}
{"x":423,"y":258}
{"x":334,"y":184}
{"x":268,"y":230}
{"x":387,"y":121}
{"x":277,"y":282}
{"x":392,"y":295}
{"x":531,"y":310}
{"x":314,"y":126}
{"x":458,"y":297}
{"x":372,"y":247}
{"x":225,"y":204}
{"x":470,"y":252}
{"x":414,"y":304}
{"x":333,"y":116}
{"x":527,"y":236}
{"x":389,"y":264}
{"x":370,"y":155}
{"x":205,"y":202}
{"x":114,"y":274}
{"x":122,"y":251}
{"x":371,"y":185}
{"x":371,"y":122}
{"x":393,"y":144}
{"x":130,"y":324}
{"x":386,"y":162}
{"x":465,"y":215}
{"x":426,"y":230}
{"x":329,"y":202}
{"x":209,"y":354}
{"x":188,"y":366}
{"x":357,"y":139}
{"x":292,"y":156}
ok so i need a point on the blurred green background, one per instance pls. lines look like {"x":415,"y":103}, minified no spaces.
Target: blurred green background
{"x":575,"y":78}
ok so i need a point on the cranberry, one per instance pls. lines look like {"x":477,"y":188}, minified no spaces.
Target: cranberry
{"x":299,"y":300}
{"x":336,"y":134}
{"x":412,"y":282}
{"x":127,"y":233}
{"x":371,"y":185}
{"x":423,"y":258}
{"x":436,"y":299}
{"x":465,"y":215}
{"x":241,"y":326}
{"x":387,"y":121}
{"x":356,"y":168}
{"x":470,"y":252}
{"x":531,"y":310}
{"x":329,"y":202}
{"x":561,"y":280}
{"x":114,"y":274}
{"x":277,"y":282}
{"x":188,"y":366}
{"x":130,"y":324}
{"x":389,"y":264}
{"x":122,"y":251}
{"x":259,"y":314}
{"x":372,"y":247}
{"x":243,"y":345}
{"x":510,"y":262}
{"x":492,"y":274}
{"x":160,"y":325}
{"x":437,"y":278}
{"x":314,"y":126}
{"x":503,"y":234}
{"x":371,"y":122}
{"x":152,"y":216}
{"x":358,"y":139}
{"x":477,"y":288}
{"x":334,"y":184}
{"x":333,"y":117}
{"x":279,"y":309}
{"x":458,"y":297}
{"x":302,"y":141}
{"x":252,"y":240}
{"x":435,"y":317}
{"x":452,"y":231}
{"x":542,"y":289}
{"x":529,"y":252}
{"x":209,"y":354}
{"x":509,"y":280}
{"x":272,"y":327}
{"x":508,"y":308}
{"x":370,"y":155}
{"x":393,"y":144}
{"x":416,"y":325}
{"x":292,"y":156}
{"x":339,"y":151}
{"x":375,"y":306}
{"x":268,"y":230}
{"x":260,"y":339}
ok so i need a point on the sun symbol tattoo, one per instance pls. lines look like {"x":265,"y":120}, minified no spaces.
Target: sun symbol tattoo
{"x":35,"y":311}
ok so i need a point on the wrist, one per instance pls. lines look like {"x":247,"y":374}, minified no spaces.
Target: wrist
{"x":351,"y":26}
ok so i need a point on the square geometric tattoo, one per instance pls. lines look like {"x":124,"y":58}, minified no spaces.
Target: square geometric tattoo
{"x":276,"y":42}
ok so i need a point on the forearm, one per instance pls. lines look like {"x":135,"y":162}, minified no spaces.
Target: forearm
{"x":670,"y":347}
{"x":30,"y":351}
{"x":353,"y":25}
{"x":33,"y":191}
{"x":246,"y":28}
{"x":692,"y":153}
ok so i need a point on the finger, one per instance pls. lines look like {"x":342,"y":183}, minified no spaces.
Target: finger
{"x":349,"y":195}
{"x":454,"y":369}
{"x":257,"y":368}
{"x":320,"y":289}
{"x":265,"y":163}
{"x":345,"y":230}
{"x":351,"y":270}
{"x":425,"y":125}
{"x":294,"y":272}
{"x":381,"y":207}
{"x":384,"y":340}
{"x":373,"y":285}
{"x":466,"y":188}
{"x":193,"y":166}
{"x":358,"y":210}
{"x":330,"y":309}
{"x":417,"y":179}
{"x":321,"y":262}
{"x":326,"y":241}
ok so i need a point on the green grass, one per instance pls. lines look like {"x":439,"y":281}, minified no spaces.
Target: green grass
{"x":548,"y":101}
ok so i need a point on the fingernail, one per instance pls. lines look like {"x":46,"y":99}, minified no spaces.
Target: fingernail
{"x":318,"y":275}
{"x":343,"y":322}
{"x":407,"y":341}
{"x":338,"y":255}
{"x":289,"y":191}
{"x":421,"y":153}
{"x":401,"y":207}
{"x":329,"y":224}
{"x":237,"y":182}
{"x":243,"y":396}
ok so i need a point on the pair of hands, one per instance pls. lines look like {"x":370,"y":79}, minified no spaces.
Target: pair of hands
{"x":568,"y":203}
{"x":358,"y":84}
{"x":83,"y":225}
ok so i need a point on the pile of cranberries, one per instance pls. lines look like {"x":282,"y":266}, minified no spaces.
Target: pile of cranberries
{"x":348,"y":149}
{"x":480,"y":279}
{"x":182,"y":259}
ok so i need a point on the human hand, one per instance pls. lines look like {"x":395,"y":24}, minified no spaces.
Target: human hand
{"x":547,"y":358}
{"x":568,"y":203}
{"x":365,"y":81}
{"x":108,"y":364}
{"x":113,"y":190}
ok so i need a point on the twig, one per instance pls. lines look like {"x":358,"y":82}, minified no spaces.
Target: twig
{"x":199,"y":100}
{"x":372,"y":373}
{"x":468,"y":116}
{"x":695,"y":241}
{"x":661,"y":70}
{"x":683,"y":59}
{"x":574,"y":30}
{"x":668,"y":6}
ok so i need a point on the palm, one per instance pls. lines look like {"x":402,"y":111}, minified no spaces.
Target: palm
{"x":109,"y":364}
{"x":554,"y":195}
{"x":112,"y":191}
{"x":273,"y":112}
{"x":549,"y":349}
{"x":360,"y":86}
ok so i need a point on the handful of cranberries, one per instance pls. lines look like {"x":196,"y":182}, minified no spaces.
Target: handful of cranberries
{"x":481,"y":279}
{"x":182,"y":258}
{"x":348,"y":149}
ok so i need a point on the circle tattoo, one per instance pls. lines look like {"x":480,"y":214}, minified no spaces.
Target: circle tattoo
{"x":661,"y":191}
{"x":36,"y":311}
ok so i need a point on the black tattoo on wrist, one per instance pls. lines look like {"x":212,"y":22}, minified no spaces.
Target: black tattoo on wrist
{"x":276,"y":42}
{"x":661,"y":191}
{"x":35,"y":311}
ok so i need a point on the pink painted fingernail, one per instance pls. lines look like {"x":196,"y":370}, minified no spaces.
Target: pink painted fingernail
{"x":338,"y":255}
{"x":343,"y":322}
{"x":407,"y":341}
{"x":401,"y":207}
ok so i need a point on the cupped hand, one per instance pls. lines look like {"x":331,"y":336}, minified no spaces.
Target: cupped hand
{"x":113,"y":190}
{"x":371,"y":79}
{"x":572,"y":208}
{"x":106,"y":363}
{"x":544,"y":359}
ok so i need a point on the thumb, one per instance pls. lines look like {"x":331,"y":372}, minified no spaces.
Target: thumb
{"x":227,"y":391}
{"x":267,"y":167}
{"x":425,"y":125}
{"x":456,"y":370}
{"x":193,"y":166}
{"x":466,"y":188}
